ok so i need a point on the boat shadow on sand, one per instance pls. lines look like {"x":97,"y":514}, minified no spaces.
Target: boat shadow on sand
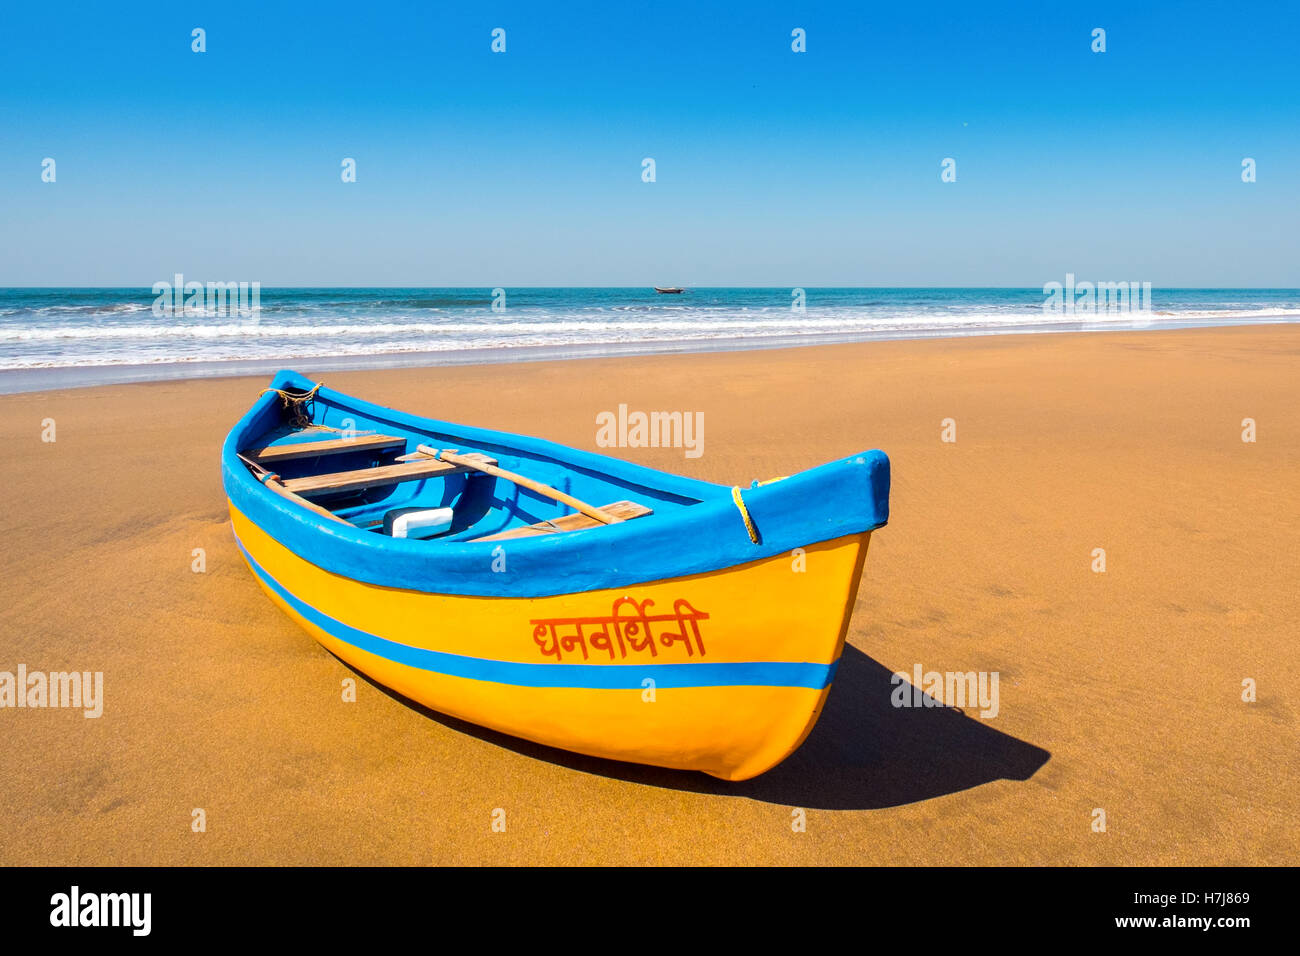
{"x":864,"y":753}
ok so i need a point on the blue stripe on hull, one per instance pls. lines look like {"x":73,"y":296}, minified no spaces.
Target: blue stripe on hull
{"x":599,"y":676}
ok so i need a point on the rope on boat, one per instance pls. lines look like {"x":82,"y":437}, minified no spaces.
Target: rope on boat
{"x":744,"y":513}
{"x":295,"y":405}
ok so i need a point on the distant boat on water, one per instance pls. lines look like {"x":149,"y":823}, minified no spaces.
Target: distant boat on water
{"x":669,"y":291}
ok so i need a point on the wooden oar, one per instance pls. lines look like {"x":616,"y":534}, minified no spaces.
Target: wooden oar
{"x":271,"y":480}
{"x":554,"y":493}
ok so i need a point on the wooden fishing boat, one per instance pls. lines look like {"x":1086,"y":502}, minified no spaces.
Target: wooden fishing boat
{"x":557,"y":595}
{"x":673,"y":291}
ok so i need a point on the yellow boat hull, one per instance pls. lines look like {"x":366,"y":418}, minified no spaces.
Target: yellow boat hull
{"x":737,"y":663}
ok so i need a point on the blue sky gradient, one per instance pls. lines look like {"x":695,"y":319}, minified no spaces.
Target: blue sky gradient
{"x":774,"y":168}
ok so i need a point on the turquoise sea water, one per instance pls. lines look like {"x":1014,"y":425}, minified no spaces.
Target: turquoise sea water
{"x":94,"y":328}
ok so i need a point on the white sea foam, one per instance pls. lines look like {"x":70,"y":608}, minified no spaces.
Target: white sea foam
{"x":72,"y":334}
{"x":162,"y":345}
{"x":699,"y":323}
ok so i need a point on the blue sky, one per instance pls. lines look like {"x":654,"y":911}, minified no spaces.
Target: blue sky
{"x":773,"y":168}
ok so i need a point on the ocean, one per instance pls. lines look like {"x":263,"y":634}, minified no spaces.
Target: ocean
{"x":103,"y":329}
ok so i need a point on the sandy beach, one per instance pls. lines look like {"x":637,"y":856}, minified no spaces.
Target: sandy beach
{"x":1119,"y":691}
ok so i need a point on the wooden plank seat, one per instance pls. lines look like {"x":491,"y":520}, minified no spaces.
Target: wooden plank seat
{"x":621,"y":510}
{"x":334,"y":446}
{"x":378,"y":476}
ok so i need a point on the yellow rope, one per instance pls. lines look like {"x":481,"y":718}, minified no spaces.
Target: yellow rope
{"x":293,"y":404}
{"x":744,"y":513}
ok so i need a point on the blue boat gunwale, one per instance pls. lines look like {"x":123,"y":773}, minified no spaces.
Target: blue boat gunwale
{"x":843,"y":497}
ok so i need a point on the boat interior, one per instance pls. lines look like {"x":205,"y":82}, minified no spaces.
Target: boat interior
{"x":392,"y":482}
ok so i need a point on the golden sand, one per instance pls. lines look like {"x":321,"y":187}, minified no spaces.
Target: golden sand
{"x":1119,"y":690}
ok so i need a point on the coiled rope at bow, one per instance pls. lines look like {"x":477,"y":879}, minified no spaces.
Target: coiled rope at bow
{"x":295,"y":404}
{"x":744,"y":511}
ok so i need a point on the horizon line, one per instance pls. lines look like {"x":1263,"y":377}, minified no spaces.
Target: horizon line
{"x":1181,"y":288}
